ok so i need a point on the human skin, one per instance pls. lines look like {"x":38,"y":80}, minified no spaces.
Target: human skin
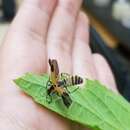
{"x":45,"y":29}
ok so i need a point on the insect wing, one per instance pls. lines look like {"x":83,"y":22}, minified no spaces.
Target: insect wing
{"x":65,"y":76}
{"x":54,"y":71}
{"x":66,"y":99}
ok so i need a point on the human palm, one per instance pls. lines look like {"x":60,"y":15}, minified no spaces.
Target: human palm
{"x":45,"y":29}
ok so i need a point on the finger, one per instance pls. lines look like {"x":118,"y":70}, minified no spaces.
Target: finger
{"x":34,"y":17}
{"x":60,"y":36}
{"x":83,"y":64}
{"x":104,"y":72}
{"x":28,"y":28}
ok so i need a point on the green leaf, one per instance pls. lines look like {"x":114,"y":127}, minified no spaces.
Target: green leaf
{"x":93,"y":104}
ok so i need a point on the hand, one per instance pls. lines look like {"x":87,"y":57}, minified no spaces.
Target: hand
{"x":45,"y":29}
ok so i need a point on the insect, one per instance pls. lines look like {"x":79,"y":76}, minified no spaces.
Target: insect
{"x":70,"y":80}
{"x":59,"y":83}
{"x":54,"y":86}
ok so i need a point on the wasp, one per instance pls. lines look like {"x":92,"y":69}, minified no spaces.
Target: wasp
{"x":54,"y":86}
{"x":58,"y":83}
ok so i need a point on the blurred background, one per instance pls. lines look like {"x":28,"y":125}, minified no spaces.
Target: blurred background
{"x":8,"y":9}
{"x":112,"y":20}
{"x":109,"y":33}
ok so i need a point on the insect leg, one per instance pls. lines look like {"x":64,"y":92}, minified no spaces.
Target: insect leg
{"x":64,"y":75}
{"x":48,"y":84}
{"x":48,"y":99}
{"x":75,"y":90}
{"x":72,"y":90}
{"x":48,"y":88}
{"x":67,"y":89}
{"x":50,"y":92}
